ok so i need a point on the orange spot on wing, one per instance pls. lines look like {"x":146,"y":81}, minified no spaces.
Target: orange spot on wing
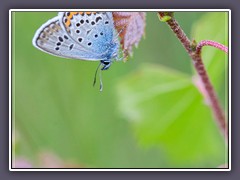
{"x":89,"y":13}
{"x":68,"y":23}
{"x":74,"y":13}
{"x":71,"y":14}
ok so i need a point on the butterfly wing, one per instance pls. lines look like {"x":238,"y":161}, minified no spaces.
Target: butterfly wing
{"x":94,"y":31}
{"x":53,"y":39}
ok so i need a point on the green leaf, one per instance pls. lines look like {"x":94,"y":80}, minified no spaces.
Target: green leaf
{"x":166,"y":110}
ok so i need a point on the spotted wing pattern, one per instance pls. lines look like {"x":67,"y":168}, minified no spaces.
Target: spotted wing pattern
{"x":94,"y":31}
{"x":53,"y":39}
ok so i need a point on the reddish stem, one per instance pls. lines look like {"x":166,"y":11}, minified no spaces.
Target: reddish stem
{"x":210,"y":43}
{"x":195,"y":55}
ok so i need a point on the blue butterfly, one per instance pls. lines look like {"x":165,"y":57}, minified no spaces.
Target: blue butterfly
{"x":87,"y":36}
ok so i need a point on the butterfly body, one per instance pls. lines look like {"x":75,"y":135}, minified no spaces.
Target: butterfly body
{"x":80,"y":35}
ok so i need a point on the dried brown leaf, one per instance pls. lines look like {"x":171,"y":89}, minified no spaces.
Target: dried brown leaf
{"x":131,"y":28}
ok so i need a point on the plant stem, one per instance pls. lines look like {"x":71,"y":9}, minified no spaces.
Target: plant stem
{"x":210,"y":43}
{"x":194,"y":52}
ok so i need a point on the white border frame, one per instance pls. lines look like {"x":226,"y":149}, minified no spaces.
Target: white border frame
{"x":145,"y":10}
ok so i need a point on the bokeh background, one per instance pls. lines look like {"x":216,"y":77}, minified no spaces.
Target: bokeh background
{"x":149,"y":115}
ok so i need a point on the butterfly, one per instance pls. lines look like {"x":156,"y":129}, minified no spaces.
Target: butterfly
{"x":87,"y":36}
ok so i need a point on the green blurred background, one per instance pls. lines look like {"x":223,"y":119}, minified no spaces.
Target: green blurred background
{"x":149,"y":115}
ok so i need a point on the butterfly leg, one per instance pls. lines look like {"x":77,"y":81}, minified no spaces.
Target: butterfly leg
{"x":106,"y":64}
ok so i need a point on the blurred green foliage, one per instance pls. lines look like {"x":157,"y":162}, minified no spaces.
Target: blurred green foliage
{"x":147,"y":116}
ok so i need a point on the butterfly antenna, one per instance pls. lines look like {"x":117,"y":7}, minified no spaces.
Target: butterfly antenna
{"x":101,"y":83}
{"x":95,"y":76}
